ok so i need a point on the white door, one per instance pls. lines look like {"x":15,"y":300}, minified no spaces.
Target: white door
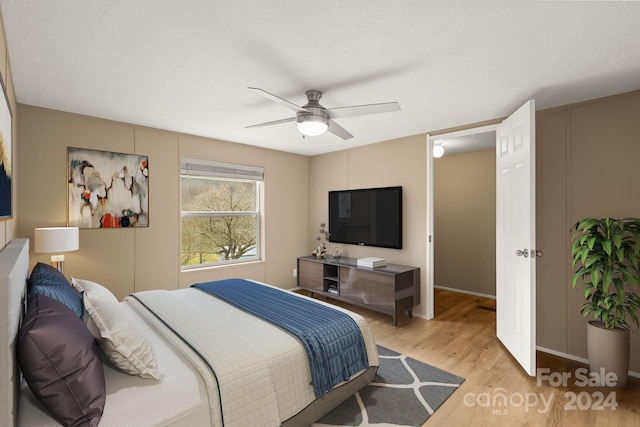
{"x":516,"y":236}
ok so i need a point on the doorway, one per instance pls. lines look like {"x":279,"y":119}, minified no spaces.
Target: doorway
{"x":464,"y":149}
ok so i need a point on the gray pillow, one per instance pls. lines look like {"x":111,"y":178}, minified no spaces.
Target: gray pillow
{"x":48,"y":281}
{"x":61,"y":363}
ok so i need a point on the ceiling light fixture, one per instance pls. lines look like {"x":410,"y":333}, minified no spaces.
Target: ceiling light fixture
{"x":312,"y":124}
{"x":438,"y":151}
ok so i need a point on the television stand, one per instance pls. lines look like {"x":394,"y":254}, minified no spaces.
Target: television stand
{"x":392,"y":289}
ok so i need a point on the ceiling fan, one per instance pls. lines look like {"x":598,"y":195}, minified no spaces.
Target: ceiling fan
{"x":313,"y":119}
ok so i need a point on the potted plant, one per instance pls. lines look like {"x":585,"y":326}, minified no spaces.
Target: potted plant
{"x":608,"y":252}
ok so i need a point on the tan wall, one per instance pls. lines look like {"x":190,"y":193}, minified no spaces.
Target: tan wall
{"x":553,"y":286}
{"x":586,"y":166}
{"x":128,"y":260}
{"x":8,"y":227}
{"x":604,"y":148}
{"x":397,"y":162}
{"x":464,"y":193}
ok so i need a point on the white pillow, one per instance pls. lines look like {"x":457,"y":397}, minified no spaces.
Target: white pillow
{"x":125,"y":346}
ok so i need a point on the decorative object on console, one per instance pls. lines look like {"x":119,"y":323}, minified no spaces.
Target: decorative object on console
{"x":56,"y":240}
{"x":107,"y":190}
{"x":323,"y":239}
{"x":371,"y":262}
{"x":336,"y":252}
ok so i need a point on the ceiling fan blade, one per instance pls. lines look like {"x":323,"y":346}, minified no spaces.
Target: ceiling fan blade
{"x":275,"y":122}
{"x":278,"y":100}
{"x":361,"y":110}
{"x":338,"y":130}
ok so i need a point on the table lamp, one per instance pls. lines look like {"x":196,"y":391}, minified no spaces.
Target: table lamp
{"x":57,"y":240}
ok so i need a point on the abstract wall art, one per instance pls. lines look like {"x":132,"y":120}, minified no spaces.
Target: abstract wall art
{"x":6,"y":186}
{"x":107,"y":190}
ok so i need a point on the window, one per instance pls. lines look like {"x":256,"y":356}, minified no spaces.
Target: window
{"x":220,"y":211}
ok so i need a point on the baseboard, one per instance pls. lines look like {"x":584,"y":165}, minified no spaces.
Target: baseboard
{"x":576,"y":358}
{"x":462,"y":291}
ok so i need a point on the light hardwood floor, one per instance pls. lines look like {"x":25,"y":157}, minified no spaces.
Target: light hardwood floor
{"x":462,"y":340}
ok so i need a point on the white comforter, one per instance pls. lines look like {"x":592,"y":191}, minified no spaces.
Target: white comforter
{"x":261,"y":371}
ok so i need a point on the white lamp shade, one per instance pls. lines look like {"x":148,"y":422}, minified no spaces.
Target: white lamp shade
{"x":56,"y":239}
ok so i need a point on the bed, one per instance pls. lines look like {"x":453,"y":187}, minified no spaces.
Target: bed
{"x":231,"y":369}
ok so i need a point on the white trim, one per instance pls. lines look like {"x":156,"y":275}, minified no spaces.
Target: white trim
{"x":462,"y":291}
{"x":428,"y":290}
{"x":563,"y":355}
{"x":465,"y":132}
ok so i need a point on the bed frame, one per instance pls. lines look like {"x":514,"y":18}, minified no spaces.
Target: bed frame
{"x":14,"y":270}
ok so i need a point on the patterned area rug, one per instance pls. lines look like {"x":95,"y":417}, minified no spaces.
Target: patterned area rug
{"x":405,"y":392}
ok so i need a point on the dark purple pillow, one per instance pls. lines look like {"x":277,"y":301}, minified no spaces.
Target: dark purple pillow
{"x":61,"y":363}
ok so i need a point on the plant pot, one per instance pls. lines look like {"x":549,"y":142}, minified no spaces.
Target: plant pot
{"x":608,"y":349}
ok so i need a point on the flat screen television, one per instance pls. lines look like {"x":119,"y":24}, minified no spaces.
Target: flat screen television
{"x":366,"y":217}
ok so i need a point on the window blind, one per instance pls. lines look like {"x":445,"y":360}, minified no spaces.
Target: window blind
{"x":198,"y":167}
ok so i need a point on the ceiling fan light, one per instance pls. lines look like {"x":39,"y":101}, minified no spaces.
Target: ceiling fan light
{"x":438,"y":151}
{"x":312,"y":125}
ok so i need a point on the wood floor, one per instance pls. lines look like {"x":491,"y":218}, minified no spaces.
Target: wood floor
{"x":462,"y":340}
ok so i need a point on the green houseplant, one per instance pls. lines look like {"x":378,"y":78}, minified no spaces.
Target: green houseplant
{"x":608,"y":252}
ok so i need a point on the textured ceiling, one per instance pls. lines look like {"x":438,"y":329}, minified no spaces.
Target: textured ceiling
{"x":185,"y":65}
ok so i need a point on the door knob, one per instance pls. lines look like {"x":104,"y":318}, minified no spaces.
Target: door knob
{"x":535,"y":253}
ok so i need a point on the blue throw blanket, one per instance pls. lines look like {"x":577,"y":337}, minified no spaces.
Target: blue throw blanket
{"x":333,"y":341}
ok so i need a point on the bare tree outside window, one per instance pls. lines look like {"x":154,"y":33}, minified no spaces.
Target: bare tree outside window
{"x":220,"y":220}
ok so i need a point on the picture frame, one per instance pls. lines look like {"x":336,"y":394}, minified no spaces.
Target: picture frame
{"x":107,"y":189}
{"x":6,"y":158}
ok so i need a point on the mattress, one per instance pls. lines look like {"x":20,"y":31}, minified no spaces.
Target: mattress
{"x":178,"y":399}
